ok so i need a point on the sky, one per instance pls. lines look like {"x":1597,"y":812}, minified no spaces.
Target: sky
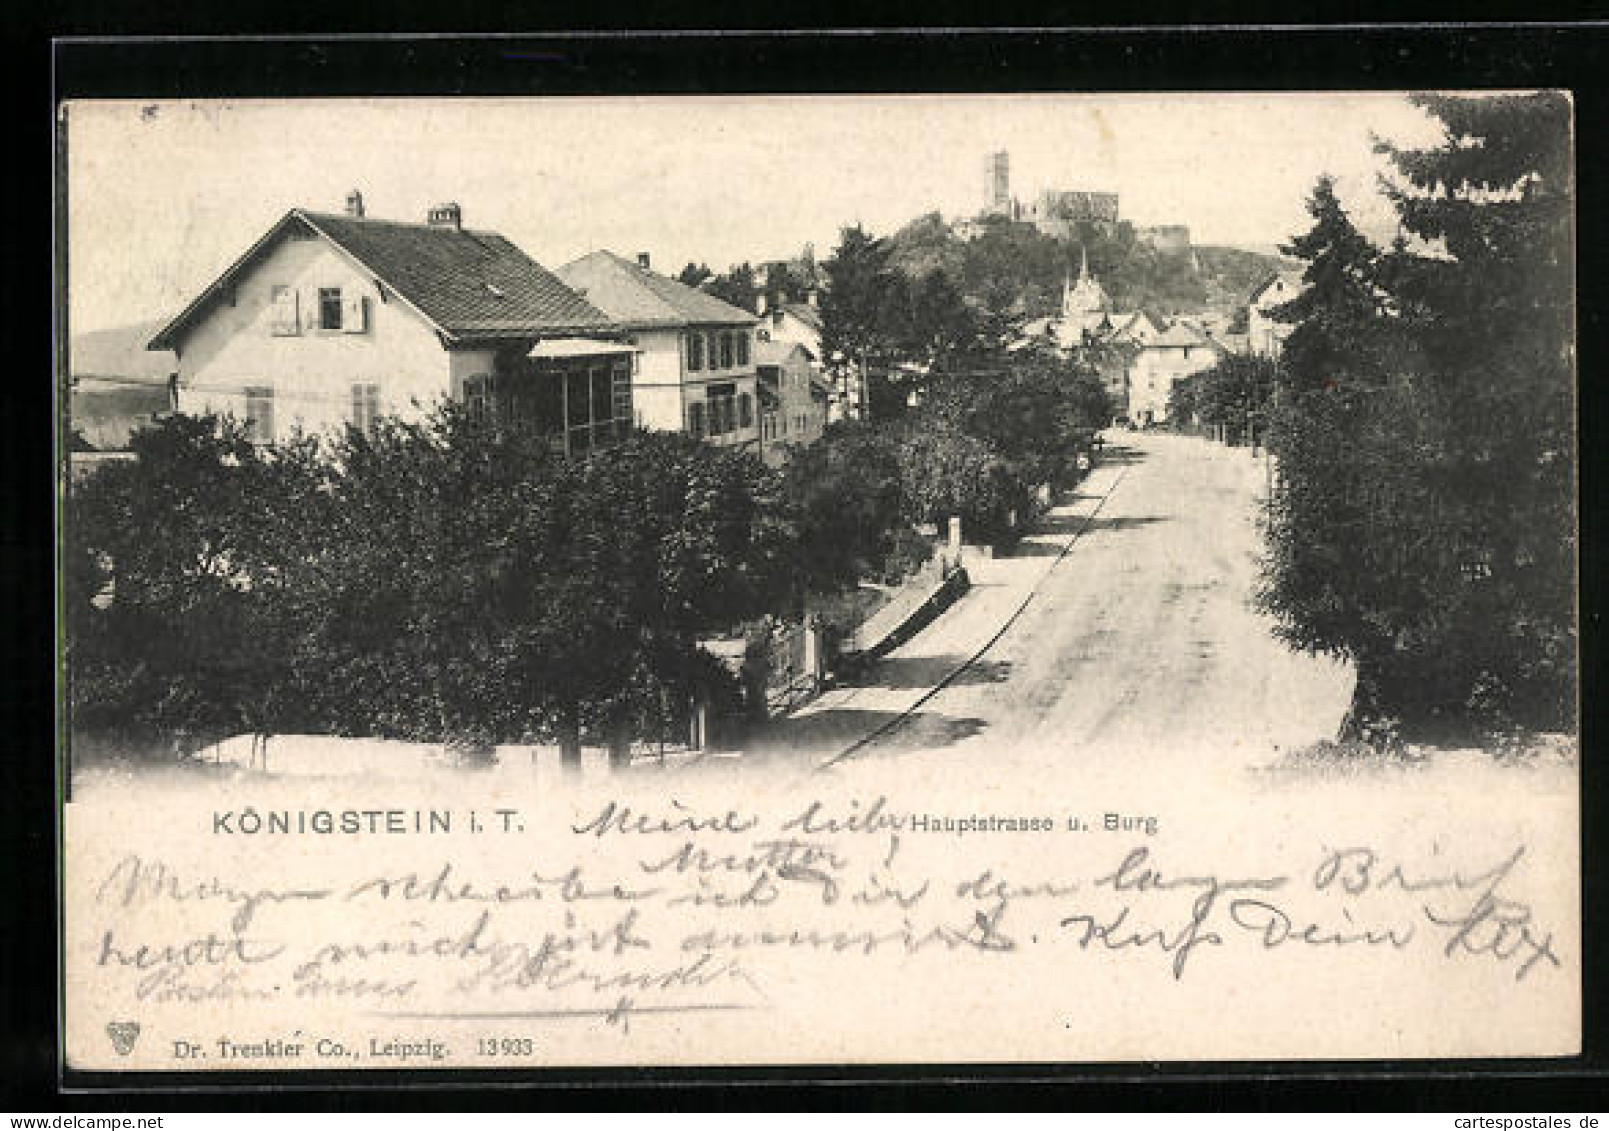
{"x":163,"y":196}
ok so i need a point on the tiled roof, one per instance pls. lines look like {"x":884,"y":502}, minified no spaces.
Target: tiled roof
{"x":472,"y":285}
{"x":1180,"y":334}
{"x":804,"y":312}
{"x":641,"y":299}
{"x":1294,"y":281}
{"x":767,"y":352}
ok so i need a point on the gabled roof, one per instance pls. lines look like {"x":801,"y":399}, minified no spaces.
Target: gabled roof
{"x":768,"y":352}
{"x":469,"y":285}
{"x":1180,"y":335}
{"x":120,"y":354}
{"x":1294,"y":278}
{"x":804,"y":312}
{"x":638,"y":298}
{"x":1126,"y":327}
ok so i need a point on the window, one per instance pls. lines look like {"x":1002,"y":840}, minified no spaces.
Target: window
{"x":365,"y":407}
{"x":721,"y":404}
{"x":623,"y":414}
{"x":285,"y":318}
{"x":695,"y":420}
{"x":260,"y":414}
{"x":477,"y":398}
{"x":726,"y":351}
{"x":695,"y":352}
{"x":577,"y":398}
{"x":577,"y":406}
{"x":745,"y":411}
{"x":329,"y":308}
{"x":743,"y":348}
{"x":715,"y":351}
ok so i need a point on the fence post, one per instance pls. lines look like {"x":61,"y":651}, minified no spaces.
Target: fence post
{"x":698,"y":727}
{"x":812,"y":651}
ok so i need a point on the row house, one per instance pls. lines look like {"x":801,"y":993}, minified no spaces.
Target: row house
{"x":332,"y":320}
{"x":793,"y":399}
{"x":799,"y":323}
{"x":695,"y":366}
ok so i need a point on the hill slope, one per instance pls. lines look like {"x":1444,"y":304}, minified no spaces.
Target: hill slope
{"x":1012,"y":265}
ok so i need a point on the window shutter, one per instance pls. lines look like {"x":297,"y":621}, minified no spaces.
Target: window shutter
{"x":284,"y":314}
{"x":354,"y":311}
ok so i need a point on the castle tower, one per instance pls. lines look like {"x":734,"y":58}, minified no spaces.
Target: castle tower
{"x":997,"y":183}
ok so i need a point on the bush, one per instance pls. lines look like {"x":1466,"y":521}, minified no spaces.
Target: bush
{"x":944,"y":472}
{"x":442,"y":581}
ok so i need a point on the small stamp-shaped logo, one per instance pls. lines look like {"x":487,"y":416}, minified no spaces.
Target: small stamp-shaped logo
{"x":123,"y":1034}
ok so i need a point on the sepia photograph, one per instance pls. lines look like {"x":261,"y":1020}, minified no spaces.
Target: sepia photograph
{"x":818,"y":580}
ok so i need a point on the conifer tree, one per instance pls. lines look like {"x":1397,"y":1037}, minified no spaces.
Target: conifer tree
{"x":1423,"y":525}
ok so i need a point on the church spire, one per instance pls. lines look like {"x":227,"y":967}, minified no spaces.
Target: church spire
{"x":1085,"y":297}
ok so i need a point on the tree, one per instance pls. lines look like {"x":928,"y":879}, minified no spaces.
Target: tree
{"x":784,"y":282}
{"x":1033,"y":407}
{"x":694,"y":274}
{"x":935,"y":322}
{"x":842,"y":496}
{"x":581,"y":587}
{"x":1423,"y":525}
{"x":1236,"y":395}
{"x":945,"y":472}
{"x":855,"y":308}
{"x":737,"y":287}
{"x":182,"y":572}
{"x":1493,"y":313}
{"x":1325,"y":580}
{"x":443,"y":580}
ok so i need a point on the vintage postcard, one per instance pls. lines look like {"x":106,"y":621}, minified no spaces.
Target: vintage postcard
{"x":818,"y":580}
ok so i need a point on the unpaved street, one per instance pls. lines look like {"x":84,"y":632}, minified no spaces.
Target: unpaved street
{"x":1143,"y":638}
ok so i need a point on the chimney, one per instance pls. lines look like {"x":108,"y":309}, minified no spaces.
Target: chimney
{"x":447,"y":215}
{"x":759,"y":303}
{"x":642,"y":260}
{"x":813,"y":297}
{"x":354,"y":204}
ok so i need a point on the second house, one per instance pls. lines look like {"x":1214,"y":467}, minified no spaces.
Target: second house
{"x":696,"y":367}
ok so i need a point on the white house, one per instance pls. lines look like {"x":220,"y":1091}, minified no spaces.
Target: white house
{"x":794,"y":322}
{"x":1176,"y":352}
{"x":695,"y":370}
{"x":1266,"y":335}
{"x":332,"y":320}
